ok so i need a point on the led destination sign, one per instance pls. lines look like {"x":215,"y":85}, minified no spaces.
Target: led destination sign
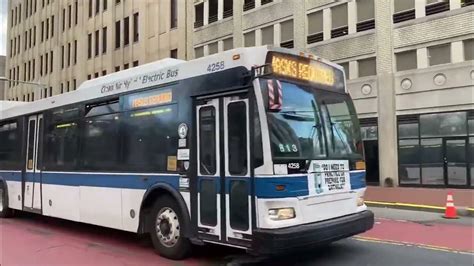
{"x":151,"y":100}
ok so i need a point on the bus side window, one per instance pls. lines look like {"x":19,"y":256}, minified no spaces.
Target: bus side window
{"x":207,"y":139}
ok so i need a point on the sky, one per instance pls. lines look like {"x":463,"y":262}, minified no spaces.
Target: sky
{"x":3,"y":26}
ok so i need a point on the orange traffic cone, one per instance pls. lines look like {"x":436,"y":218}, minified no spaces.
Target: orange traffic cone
{"x":450,"y":212}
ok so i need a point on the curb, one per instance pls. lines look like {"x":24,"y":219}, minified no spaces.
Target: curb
{"x":462,"y":211}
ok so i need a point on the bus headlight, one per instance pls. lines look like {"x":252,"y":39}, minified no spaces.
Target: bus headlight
{"x":281,"y":214}
{"x":360,"y":201}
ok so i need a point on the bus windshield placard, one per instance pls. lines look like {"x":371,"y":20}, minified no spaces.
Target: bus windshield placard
{"x":304,"y":69}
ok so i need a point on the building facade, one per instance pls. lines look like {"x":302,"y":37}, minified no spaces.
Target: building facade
{"x":409,"y":63}
{"x":2,"y":74}
{"x":61,"y":43}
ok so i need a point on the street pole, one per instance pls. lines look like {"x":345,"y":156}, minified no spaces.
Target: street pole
{"x":39,"y":85}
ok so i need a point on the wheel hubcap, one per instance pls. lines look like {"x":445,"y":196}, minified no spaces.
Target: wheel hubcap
{"x":167,"y":227}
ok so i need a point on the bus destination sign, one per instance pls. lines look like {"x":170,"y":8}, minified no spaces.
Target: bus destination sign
{"x":302,"y":69}
{"x":152,"y":100}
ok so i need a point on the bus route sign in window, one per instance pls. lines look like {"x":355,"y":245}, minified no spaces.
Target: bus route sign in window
{"x":149,"y":99}
{"x":306,"y":70}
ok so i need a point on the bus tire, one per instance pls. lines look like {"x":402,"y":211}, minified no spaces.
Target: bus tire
{"x":166,"y":229}
{"x":5,"y":212}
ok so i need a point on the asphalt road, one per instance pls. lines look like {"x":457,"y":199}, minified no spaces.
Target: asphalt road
{"x":395,"y":240}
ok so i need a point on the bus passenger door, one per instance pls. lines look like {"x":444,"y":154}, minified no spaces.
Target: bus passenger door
{"x":32,"y":176}
{"x":223,"y":170}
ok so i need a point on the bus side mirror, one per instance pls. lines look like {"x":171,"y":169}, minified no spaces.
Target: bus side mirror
{"x":275,"y":95}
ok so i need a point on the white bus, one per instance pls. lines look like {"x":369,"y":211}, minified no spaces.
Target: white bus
{"x":256,"y":148}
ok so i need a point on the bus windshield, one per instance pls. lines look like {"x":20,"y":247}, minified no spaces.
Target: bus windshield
{"x":313,"y":124}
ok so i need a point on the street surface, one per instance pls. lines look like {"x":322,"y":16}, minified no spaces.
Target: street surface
{"x":398,"y":238}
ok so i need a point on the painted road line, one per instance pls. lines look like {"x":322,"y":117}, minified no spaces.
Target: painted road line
{"x":398,"y":204}
{"x":409,"y":244}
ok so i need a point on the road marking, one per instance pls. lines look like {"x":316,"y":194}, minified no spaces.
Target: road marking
{"x":405,"y":205}
{"x":408,"y":244}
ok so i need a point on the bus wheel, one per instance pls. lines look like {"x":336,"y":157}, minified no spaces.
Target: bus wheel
{"x":5,"y":212}
{"x":166,"y":229}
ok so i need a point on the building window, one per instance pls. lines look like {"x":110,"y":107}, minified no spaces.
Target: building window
{"x":135,"y":63}
{"x":212,"y":11}
{"x":213,"y":48}
{"x":468,"y":49}
{"x":104,"y":40}
{"x":51,"y":62}
{"x":228,"y":8}
{"x":117,"y":34}
{"x":105,"y":5}
{"x":90,"y":8}
{"x":287,"y":34}
{"x":117,"y":68}
{"x":439,"y":54}
{"x":76,"y":10}
{"x":104,"y":72}
{"x":74,"y":85}
{"x":125,"y":66}
{"x":315,"y":27}
{"x":436,"y":6}
{"x":89,"y":45}
{"x":267,"y":35}
{"x":46,"y":62}
{"x":89,"y":77}
{"x":228,"y":44}
{"x":62,"y":56}
{"x":97,"y":6}
{"x":69,"y":16}
{"x":97,"y":34}
{"x":404,"y":10}
{"x":126,"y":31}
{"x":52,"y":26}
{"x":96,"y":75}
{"x":339,"y":21}
{"x":465,"y":3}
{"x":174,"y":14}
{"x":249,"y":39}
{"x":117,"y":2}
{"x":345,"y":65}
{"x":199,"y":52}
{"x":135,"y":27}
{"x":367,"y":67}
{"x":174,"y":53}
{"x":406,"y":60}
{"x":68,"y":54}
{"x":365,"y":15}
{"x":75,"y":52}
{"x":199,"y":15}
{"x":249,"y":4}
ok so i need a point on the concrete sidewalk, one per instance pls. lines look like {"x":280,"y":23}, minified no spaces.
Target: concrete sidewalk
{"x":426,"y":199}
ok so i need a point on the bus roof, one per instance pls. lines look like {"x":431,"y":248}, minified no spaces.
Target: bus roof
{"x":148,"y":75}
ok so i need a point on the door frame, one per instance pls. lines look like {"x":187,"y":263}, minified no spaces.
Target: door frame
{"x":197,"y":103}
{"x":33,"y":174}
{"x":445,"y":161}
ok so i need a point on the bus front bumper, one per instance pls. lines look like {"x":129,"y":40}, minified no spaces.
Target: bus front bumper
{"x":270,"y":241}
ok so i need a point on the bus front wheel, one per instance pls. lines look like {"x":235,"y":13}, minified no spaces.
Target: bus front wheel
{"x":5,"y":212}
{"x":166,"y":232}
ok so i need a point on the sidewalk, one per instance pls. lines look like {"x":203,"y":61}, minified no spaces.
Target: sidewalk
{"x":427,"y":199}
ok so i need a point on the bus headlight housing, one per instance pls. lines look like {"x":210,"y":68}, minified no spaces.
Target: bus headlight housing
{"x":360,"y":201}
{"x":281,"y":214}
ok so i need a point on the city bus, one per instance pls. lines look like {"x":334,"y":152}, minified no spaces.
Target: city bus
{"x":255,"y":148}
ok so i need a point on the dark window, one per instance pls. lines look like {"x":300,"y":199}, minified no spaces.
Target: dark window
{"x":105,"y":5}
{"x":104,"y":72}
{"x":468,"y":49}
{"x":89,"y":45}
{"x":104,"y":40}
{"x":125,"y":66}
{"x":445,"y":124}
{"x":249,"y":4}
{"x":408,"y":130}
{"x":432,"y":169}
{"x":101,"y":140}
{"x":406,"y":60}
{"x":212,"y":11}
{"x":96,"y":75}
{"x":89,"y":77}
{"x":68,"y":54}
{"x":75,"y":52}
{"x":97,"y":6}
{"x":228,"y":8}
{"x":62,"y":56}
{"x":76,"y":10}
{"x":239,"y":205}
{"x":97,"y":34}
{"x":174,"y":53}
{"x":31,"y":145}
{"x":199,"y":14}
{"x":135,"y":64}
{"x":367,"y":67}
{"x":208,"y":202}
{"x":117,"y":1}
{"x":409,"y":160}
{"x":64,"y":19}
{"x":90,"y":8}
{"x":150,"y":140}
{"x":69,"y":18}
{"x":126,"y":31}
{"x":237,"y":138}
{"x":10,"y":146}
{"x":365,"y":15}
{"x":207,"y":141}
{"x":135,"y":27}
{"x":117,"y":34}
{"x":436,"y":6}
{"x":403,"y":11}
{"x":117,"y":68}
{"x":174,"y":14}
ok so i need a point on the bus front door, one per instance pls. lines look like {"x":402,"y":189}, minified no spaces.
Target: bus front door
{"x":32,"y":174}
{"x":223,"y":170}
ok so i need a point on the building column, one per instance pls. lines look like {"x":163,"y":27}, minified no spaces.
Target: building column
{"x":277,"y":35}
{"x":387,"y":118}
{"x":422,"y":57}
{"x":258,"y":37}
{"x":327,"y":23}
{"x":220,"y":46}
{"x":205,"y":50}
{"x":299,"y":24}
{"x":206,"y":12}
{"x":457,"y":52}
{"x":258,"y":3}
{"x":420,"y":6}
{"x":238,"y":37}
{"x":220,"y":9}
{"x":454,"y":4}
{"x":353,"y":69}
{"x":352,"y":16}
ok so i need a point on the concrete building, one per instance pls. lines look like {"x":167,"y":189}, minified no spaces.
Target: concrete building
{"x":2,"y":74}
{"x":409,"y":63}
{"x":61,"y":43}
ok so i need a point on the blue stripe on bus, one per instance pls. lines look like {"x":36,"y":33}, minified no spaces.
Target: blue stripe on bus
{"x":358,"y":180}
{"x":11,"y":176}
